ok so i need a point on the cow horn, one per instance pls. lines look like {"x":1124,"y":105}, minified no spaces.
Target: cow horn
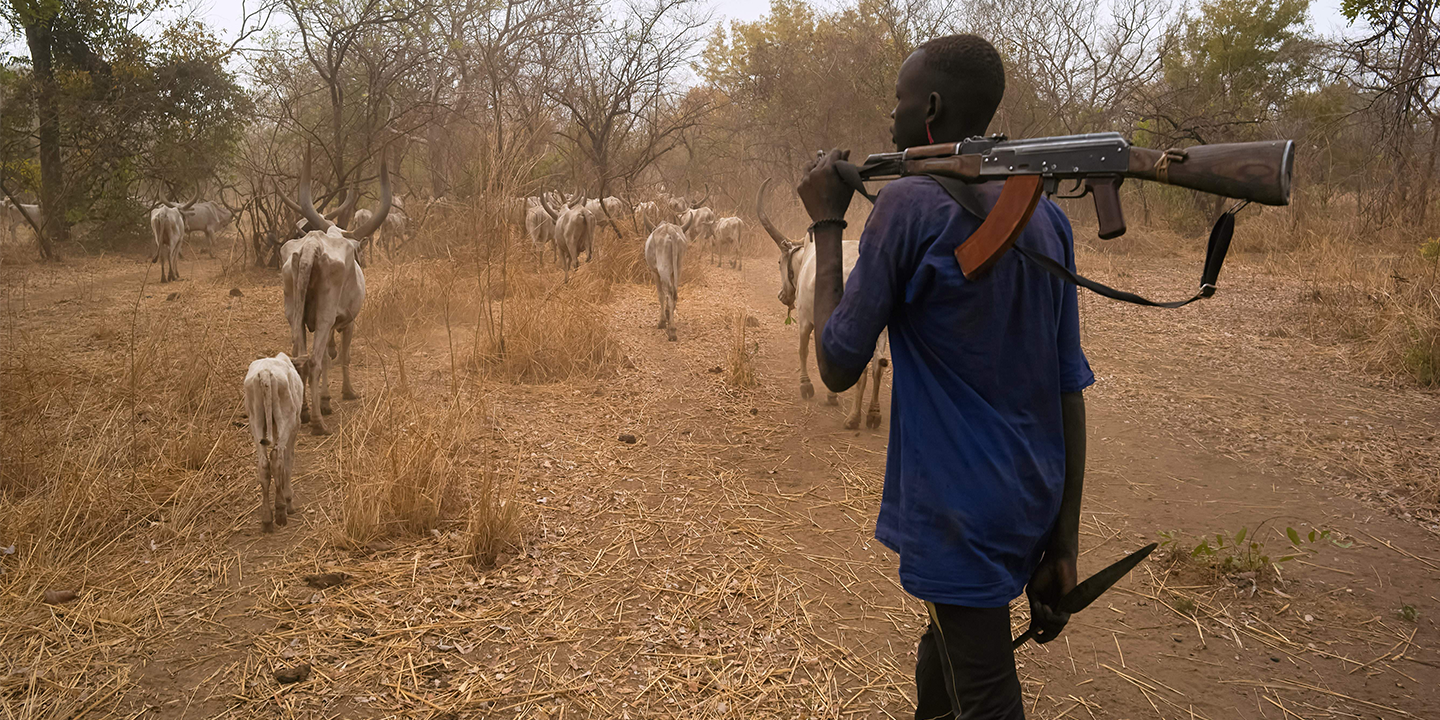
{"x":698,"y":205}
{"x":307,"y":207}
{"x":781,"y":241}
{"x":286,"y":199}
{"x":350,"y":197}
{"x":548,"y":210}
{"x":378,"y":218}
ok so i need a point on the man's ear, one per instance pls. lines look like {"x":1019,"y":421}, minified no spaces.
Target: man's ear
{"x":933,"y":108}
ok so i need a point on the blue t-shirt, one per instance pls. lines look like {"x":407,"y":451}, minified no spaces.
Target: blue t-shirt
{"x":976,"y":464}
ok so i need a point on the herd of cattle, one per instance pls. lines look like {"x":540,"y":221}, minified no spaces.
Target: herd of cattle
{"x":324,"y":290}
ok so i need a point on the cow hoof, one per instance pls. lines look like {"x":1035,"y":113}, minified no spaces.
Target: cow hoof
{"x":671,"y":334}
{"x":832,"y":399}
{"x":268,"y":527}
{"x":872,"y":420}
{"x":280,"y":517}
{"x":660,"y":325}
{"x":349,"y":395}
{"x":852,"y":423}
{"x":318,"y":429}
{"x":325,"y":408}
{"x":304,"y":415}
{"x":807,"y":390}
{"x":289,"y":509}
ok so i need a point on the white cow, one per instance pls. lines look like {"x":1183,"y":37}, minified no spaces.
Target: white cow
{"x":614,"y":206}
{"x":574,"y":233}
{"x":167,"y":224}
{"x":324,"y":291}
{"x":651,"y":215}
{"x":540,"y":226}
{"x":664,"y":251}
{"x":702,"y":229}
{"x":797,"y":292}
{"x":728,"y":232}
{"x":207,"y":217}
{"x":274,"y":393}
{"x":15,"y":215}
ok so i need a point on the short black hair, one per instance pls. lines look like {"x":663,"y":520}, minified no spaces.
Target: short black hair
{"x":974,"y":66}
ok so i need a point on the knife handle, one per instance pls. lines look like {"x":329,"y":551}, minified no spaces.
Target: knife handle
{"x":1029,"y":633}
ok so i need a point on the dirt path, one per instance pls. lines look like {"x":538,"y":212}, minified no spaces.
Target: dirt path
{"x":723,"y":566}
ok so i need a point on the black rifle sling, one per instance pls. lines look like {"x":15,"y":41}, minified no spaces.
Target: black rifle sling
{"x":978,"y":198}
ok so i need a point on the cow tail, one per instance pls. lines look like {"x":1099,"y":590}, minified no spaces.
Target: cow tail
{"x":267,"y":402}
{"x":302,"y":278}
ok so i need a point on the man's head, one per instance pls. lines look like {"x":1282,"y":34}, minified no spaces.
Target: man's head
{"x":951,"y":87}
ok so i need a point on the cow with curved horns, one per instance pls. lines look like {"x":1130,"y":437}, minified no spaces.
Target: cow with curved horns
{"x":207,"y":217}
{"x":324,"y":291}
{"x":574,"y":232}
{"x":664,"y":251}
{"x":797,"y":292}
{"x":167,"y":224}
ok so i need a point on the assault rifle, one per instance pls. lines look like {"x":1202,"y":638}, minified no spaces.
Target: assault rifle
{"x":1096,"y":164}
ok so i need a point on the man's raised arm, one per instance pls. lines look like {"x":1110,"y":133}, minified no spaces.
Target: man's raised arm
{"x":826,"y":198}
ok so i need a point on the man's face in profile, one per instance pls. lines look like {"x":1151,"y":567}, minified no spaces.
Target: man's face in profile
{"x":912,"y":103}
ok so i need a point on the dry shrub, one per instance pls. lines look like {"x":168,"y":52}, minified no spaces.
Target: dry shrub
{"x":547,"y":330}
{"x":741,"y":353}
{"x":398,"y":462}
{"x":98,"y":441}
{"x":493,"y":526}
{"x":409,"y":295}
{"x":622,"y":260}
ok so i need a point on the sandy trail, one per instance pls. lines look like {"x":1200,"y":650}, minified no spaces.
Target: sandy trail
{"x":723,"y":565}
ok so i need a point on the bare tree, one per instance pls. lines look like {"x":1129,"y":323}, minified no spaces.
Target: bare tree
{"x":622,"y":90}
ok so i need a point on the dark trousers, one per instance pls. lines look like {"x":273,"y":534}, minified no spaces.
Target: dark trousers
{"x":965,"y":668}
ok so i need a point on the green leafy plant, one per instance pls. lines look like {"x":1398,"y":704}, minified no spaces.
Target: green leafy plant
{"x":1408,"y":613}
{"x":1243,"y":552}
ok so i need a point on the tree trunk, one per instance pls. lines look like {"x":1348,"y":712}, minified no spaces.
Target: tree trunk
{"x":52,"y":175}
{"x":1423,"y":203}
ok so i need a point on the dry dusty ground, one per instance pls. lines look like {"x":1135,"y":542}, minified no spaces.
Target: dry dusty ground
{"x":723,"y":565}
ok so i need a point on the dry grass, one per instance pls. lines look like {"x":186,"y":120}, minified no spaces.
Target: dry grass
{"x":547,"y":330}
{"x":741,"y":353}
{"x":400,"y":464}
{"x":494,"y":522}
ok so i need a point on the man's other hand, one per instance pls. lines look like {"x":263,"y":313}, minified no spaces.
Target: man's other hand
{"x":1054,"y":577}
{"x":825,"y":195}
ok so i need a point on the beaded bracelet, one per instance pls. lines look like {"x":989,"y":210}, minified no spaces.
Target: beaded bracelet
{"x":829,"y":221}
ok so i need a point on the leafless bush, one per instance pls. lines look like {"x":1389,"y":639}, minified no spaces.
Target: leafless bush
{"x":740,"y":354}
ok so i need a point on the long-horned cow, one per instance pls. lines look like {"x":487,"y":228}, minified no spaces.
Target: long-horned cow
{"x":167,"y":224}
{"x":727,"y":240}
{"x":324,"y":291}
{"x":274,"y":393}
{"x":797,"y":292}
{"x":207,"y":217}
{"x":540,"y":226}
{"x":574,"y":232}
{"x":664,"y":251}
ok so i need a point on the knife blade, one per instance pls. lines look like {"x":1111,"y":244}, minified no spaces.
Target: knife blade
{"x":1093,"y":587}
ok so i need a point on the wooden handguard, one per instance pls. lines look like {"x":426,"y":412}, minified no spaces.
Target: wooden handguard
{"x":1002,"y":226}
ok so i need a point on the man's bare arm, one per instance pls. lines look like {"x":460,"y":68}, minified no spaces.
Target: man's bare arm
{"x":829,"y":288}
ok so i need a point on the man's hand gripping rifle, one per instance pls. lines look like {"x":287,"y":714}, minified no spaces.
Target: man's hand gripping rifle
{"x":1096,"y":164}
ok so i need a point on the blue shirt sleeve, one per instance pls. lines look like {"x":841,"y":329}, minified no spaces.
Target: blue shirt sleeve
{"x":1075,"y":373}
{"x":871,"y":289}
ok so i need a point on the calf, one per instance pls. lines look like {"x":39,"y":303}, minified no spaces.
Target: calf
{"x":273,"y":394}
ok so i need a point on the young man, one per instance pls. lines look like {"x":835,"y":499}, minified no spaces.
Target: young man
{"x":987,"y":435}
